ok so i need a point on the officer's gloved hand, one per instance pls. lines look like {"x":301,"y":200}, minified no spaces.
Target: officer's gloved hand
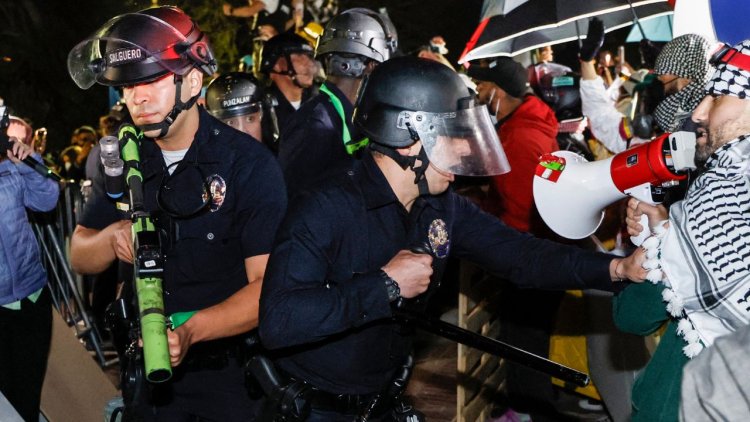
{"x":594,"y":40}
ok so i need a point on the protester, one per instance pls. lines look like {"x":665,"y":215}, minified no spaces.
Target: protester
{"x":698,"y":256}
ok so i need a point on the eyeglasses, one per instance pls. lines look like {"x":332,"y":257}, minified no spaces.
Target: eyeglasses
{"x":725,"y":54}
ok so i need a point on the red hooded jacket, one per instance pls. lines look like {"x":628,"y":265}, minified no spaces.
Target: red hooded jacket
{"x":528,"y":133}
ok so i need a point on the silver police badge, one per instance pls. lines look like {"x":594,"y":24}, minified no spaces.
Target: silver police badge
{"x":437,"y":235}
{"x":217,"y":189}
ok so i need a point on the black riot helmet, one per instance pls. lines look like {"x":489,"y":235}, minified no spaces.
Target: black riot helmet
{"x":283,"y":45}
{"x":354,"y":37}
{"x":409,"y":99}
{"x":233,"y":94}
{"x":141,"y":47}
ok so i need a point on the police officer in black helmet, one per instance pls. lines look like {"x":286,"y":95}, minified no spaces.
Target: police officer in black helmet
{"x":349,"y":250}
{"x":320,"y":139}
{"x":236,"y":98}
{"x":217,"y":198}
{"x":287,"y":62}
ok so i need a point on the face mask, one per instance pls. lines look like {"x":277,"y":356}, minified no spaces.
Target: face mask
{"x":669,"y":114}
{"x":493,"y":116}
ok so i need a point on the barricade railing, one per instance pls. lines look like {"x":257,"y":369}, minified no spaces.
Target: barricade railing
{"x":53,"y":231}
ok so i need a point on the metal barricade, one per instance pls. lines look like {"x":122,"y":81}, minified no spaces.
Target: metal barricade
{"x":53,"y":231}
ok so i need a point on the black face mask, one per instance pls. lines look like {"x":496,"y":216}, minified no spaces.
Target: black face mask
{"x":185,"y":192}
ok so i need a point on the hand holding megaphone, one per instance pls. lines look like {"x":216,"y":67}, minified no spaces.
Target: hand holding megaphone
{"x":571,"y":193}
{"x":641,"y":219}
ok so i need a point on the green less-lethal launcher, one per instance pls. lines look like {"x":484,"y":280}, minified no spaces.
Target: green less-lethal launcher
{"x":149,"y":265}
{"x":151,"y":304}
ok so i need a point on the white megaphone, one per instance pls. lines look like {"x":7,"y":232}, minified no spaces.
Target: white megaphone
{"x":571,"y":193}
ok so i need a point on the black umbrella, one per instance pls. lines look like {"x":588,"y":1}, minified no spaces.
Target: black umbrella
{"x":537,"y":23}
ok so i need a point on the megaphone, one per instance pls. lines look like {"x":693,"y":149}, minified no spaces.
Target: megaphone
{"x":571,"y":193}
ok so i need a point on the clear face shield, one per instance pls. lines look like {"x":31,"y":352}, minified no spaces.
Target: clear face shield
{"x":103,"y":55}
{"x":463,"y":142}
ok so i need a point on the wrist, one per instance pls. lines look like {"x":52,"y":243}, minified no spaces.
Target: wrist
{"x":391,"y":286}
{"x":619,"y":271}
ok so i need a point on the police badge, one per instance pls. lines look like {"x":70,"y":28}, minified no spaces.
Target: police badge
{"x":217,"y":191}
{"x":437,"y":235}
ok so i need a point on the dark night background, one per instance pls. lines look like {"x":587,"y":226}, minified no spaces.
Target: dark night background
{"x":36,"y":36}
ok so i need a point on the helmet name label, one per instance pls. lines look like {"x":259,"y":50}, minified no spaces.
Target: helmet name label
{"x":235,"y":101}
{"x":125,"y":55}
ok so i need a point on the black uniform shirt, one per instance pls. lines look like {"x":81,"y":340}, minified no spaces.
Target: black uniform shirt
{"x":285,"y":110}
{"x":311,"y":148}
{"x":205,"y":253}
{"x":323,"y":294}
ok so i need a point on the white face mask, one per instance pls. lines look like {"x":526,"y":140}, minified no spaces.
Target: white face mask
{"x":493,"y":116}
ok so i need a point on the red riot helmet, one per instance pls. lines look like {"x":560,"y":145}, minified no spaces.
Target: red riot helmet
{"x":141,"y":47}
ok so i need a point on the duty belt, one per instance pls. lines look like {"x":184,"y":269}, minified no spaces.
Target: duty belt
{"x":348,"y":404}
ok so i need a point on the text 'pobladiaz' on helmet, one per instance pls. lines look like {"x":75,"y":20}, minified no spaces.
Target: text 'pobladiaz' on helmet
{"x":409,"y":99}
{"x":233,"y":94}
{"x":141,"y":47}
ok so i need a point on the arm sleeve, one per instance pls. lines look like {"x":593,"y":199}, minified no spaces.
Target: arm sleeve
{"x":263,"y":205}
{"x":99,"y":210}
{"x":524,"y":260}
{"x":639,"y":309}
{"x":39,"y":193}
{"x":298,"y":304}
{"x":606,"y":122}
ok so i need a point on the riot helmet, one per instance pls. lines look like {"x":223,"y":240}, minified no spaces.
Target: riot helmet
{"x":283,"y":45}
{"x":233,"y":94}
{"x":409,"y":99}
{"x":353,"y":37}
{"x":141,"y":47}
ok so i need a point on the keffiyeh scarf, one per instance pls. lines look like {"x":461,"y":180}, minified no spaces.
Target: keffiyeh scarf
{"x":673,"y":110}
{"x":703,"y":258}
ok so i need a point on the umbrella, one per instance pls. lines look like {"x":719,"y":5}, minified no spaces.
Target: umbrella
{"x":537,"y":23}
{"x":492,"y":8}
{"x":658,"y":28}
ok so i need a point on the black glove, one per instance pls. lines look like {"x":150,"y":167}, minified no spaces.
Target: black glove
{"x":594,"y":40}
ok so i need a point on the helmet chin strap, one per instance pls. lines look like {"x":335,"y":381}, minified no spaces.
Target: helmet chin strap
{"x":409,"y":161}
{"x":179,"y":106}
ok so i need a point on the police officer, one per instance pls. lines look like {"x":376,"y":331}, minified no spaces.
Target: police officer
{"x":216,"y":195}
{"x":287,"y":61}
{"x":236,"y":98}
{"x":320,"y":139}
{"x":347,"y":251}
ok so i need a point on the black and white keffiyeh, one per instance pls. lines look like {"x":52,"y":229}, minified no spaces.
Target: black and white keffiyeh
{"x":703,"y":257}
{"x":685,"y":57}
{"x":729,"y":79}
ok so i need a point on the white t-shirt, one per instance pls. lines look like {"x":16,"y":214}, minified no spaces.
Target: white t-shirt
{"x":171,"y":157}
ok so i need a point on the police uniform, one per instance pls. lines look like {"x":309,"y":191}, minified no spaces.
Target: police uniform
{"x":205,"y":253}
{"x":311,"y":147}
{"x":324,"y":299}
{"x":284,"y":110}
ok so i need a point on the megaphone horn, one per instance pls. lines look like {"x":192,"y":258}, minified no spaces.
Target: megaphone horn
{"x":571,"y":193}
